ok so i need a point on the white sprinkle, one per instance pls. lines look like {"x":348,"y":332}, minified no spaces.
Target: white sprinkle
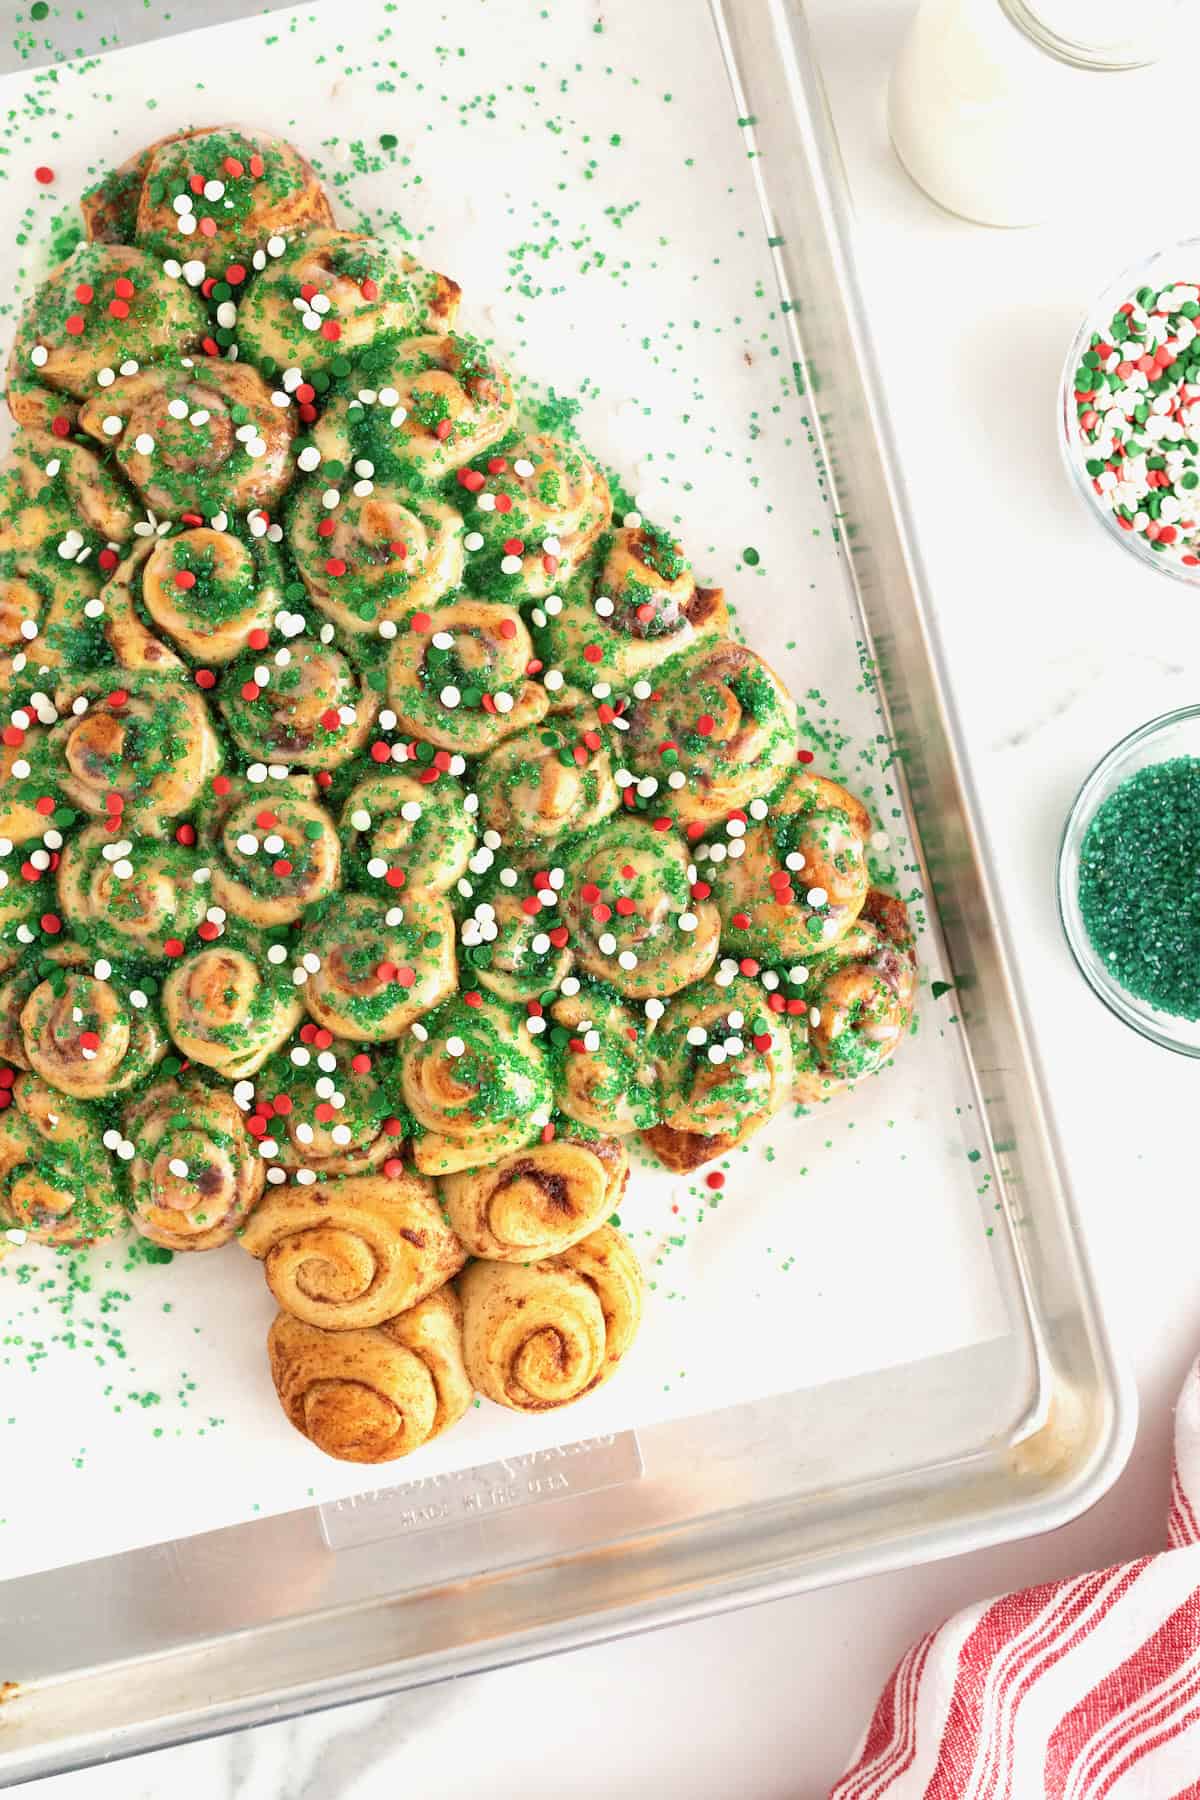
{"x":330,"y":498}
{"x":607,"y":942}
{"x":758,"y":809}
{"x":793,"y":860}
{"x":111,"y":426}
{"x":697,"y":1035}
{"x":276,"y":246}
{"x":193,"y":272}
{"x":227,"y":314}
{"x":627,"y":959}
{"x":523,"y":467}
{"x":735,"y":827}
{"x":473,"y":540}
{"x":798,"y":973}
{"x":604,"y":606}
{"x":454,"y":1046}
{"x":38,"y":355}
{"x":816,"y":896}
{"x":553,"y":604}
{"x":688,"y":921}
{"x":716,"y":1052}
{"x":143,"y":443}
{"x":450,"y":696}
{"x":553,"y":679}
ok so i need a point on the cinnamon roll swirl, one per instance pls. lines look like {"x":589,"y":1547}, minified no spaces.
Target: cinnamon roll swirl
{"x":538,"y":786}
{"x":459,"y":678}
{"x":205,"y":590}
{"x":195,"y":1173}
{"x":376,"y":973}
{"x":605,"y":1075}
{"x":410,"y":834}
{"x":858,"y":1002}
{"x":515,"y":949}
{"x":537,"y":1202}
{"x":85,"y":1038}
{"x":129,"y":898}
{"x":375,"y":556}
{"x":330,"y":1108}
{"x":631,"y":913}
{"x":56,"y":1180}
{"x":142,"y":746}
{"x":475,"y":1085}
{"x":544,"y":1334}
{"x":273,"y":855}
{"x":558,"y":504}
{"x":229,"y":1008}
{"x":312,"y":712}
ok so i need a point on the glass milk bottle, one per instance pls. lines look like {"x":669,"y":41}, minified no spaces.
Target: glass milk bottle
{"x":991,"y":100}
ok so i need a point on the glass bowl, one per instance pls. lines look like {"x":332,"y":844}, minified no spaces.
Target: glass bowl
{"x":1177,"y":262}
{"x":1173,"y":734}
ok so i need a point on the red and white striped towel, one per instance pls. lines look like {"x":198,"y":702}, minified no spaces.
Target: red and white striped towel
{"x":1086,"y":1689}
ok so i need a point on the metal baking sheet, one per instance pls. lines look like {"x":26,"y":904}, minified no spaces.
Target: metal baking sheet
{"x":988,"y":1439}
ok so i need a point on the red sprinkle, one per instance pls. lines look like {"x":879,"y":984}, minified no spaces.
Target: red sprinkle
{"x":208,"y":929}
{"x":380,"y":752}
{"x":75,"y":324}
{"x":108,"y":559}
{"x":420,"y":621}
{"x":184,"y":578}
{"x":44,"y":174}
{"x":393,"y":1127}
{"x":123,"y":288}
{"x":368,"y":289}
{"x":185,"y":834}
{"x":51,"y":923}
{"x":205,"y":678}
{"x":331,"y":329}
{"x":547,"y":1134}
{"x":360,"y":1063}
{"x":119,"y":309}
{"x":405,"y":977}
{"x":173,"y":947}
{"x":60,"y":425}
{"x":715,"y":1179}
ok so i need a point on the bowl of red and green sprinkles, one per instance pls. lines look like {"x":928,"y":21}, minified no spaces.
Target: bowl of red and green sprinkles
{"x":1129,"y":880}
{"x":1130,"y":410}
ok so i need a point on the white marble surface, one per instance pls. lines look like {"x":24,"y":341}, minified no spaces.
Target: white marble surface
{"x":1057,"y":645}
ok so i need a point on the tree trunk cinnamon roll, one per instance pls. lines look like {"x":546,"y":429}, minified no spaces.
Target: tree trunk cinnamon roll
{"x":370,"y":290}
{"x":543,"y":1335}
{"x":274,"y":855}
{"x":632,"y":917}
{"x":409,"y":834}
{"x":375,"y":556}
{"x":313,"y":712}
{"x":470,"y":692}
{"x":373,"y":1396}
{"x":538,"y":786}
{"x":476,"y":1087}
{"x":331,"y":1112}
{"x":801,"y":879}
{"x":858,"y":1001}
{"x":135,"y":912}
{"x":143,"y":738}
{"x":199,"y":438}
{"x":537,"y":1202}
{"x":229,"y":1008}
{"x":558,"y":505}
{"x":344,"y":1255}
{"x":56,"y":1181}
{"x":605,"y":1075}
{"x":374,"y":978}
{"x":724,"y":1068}
{"x":84,"y":1038}
{"x":721,"y":718}
{"x":205,"y":590}
{"x":196,"y":1172}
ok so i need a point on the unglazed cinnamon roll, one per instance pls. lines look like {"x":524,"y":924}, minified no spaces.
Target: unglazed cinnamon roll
{"x":558,"y":504}
{"x":537,"y":1202}
{"x":198,"y":438}
{"x":204,"y":590}
{"x":723,"y":720}
{"x":374,"y":977}
{"x":371,"y":291}
{"x":631,"y":914}
{"x":229,"y":1008}
{"x":195,"y":1172}
{"x":459,"y":678}
{"x":129,"y":903}
{"x":475,"y":1085}
{"x":544,"y":1334}
{"x":724,"y":1068}
{"x":439,"y":402}
{"x":516,"y":949}
{"x":605,"y":1075}
{"x":273,"y":855}
{"x":344,"y":1255}
{"x":858,"y":1001}
{"x":56,"y":1177}
{"x":642,"y":607}
{"x":143,"y":738}
{"x":107,"y":304}
{"x":801,"y":880}
{"x":329,"y":1108}
{"x":85,"y":1038}
{"x":412,"y":835}
{"x":266,"y":189}
{"x":377,"y":554}
{"x":313,"y":712}
{"x":538,"y":786}
{"x":373,"y":1396}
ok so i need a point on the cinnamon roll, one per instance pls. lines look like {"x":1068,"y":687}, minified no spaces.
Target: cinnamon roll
{"x":515,"y":948}
{"x":475,"y":1085}
{"x":605,"y":1076}
{"x":544,"y":1334}
{"x":204,"y":590}
{"x":642,"y":607}
{"x":312,"y":712}
{"x":129,"y":898}
{"x":725,"y":1067}
{"x":537,"y":1202}
{"x":195,"y":1172}
{"x":632,"y":917}
{"x":84,"y":1037}
{"x":56,"y":1181}
{"x":273,"y":854}
{"x":329,"y":1106}
{"x":409,"y":834}
{"x":377,"y":972}
{"x":373,"y":1396}
{"x":348,"y":1254}
{"x":142,"y":738}
{"x":371,"y":291}
{"x":858,"y":1001}
{"x":375,"y":555}
{"x":538,"y":786}
{"x":229,"y":1008}
{"x":459,"y":678}
{"x":553,"y":501}
{"x":198,"y":438}
{"x":723,"y":720}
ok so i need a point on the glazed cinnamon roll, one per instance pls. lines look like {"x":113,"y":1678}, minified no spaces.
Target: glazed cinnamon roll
{"x":131,"y":903}
{"x":200,"y":438}
{"x":375,"y":555}
{"x":273,"y":855}
{"x":56,"y":1181}
{"x":725,"y":1067}
{"x":801,"y":880}
{"x":515,"y":949}
{"x":537,"y":1202}
{"x":195,"y":1173}
{"x":558,"y":504}
{"x":459,"y":678}
{"x":409,"y":834}
{"x":370,"y":289}
{"x":858,"y":1001}
{"x":373,"y":1396}
{"x":374,"y":978}
{"x":204,"y":590}
{"x":475,"y":1085}
{"x":329,"y":1108}
{"x":229,"y":1008}
{"x":266,"y":189}
{"x":632,"y":917}
{"x":605,"y":1075}
{"x":314,"y":712}
{"x":85,"y":1038}
{"x":544,"y":1334}
{"x":144,"y":738}
{"x":20,"y":819}
{"x":723,"y":720}
{"x":107,"y":304}
{"x":439,"y":402}
{"x":538,"y":786}
{"x":642,"y":607}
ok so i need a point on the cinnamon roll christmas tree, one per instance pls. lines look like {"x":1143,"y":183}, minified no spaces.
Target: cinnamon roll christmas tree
{"x":391,"y":828}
